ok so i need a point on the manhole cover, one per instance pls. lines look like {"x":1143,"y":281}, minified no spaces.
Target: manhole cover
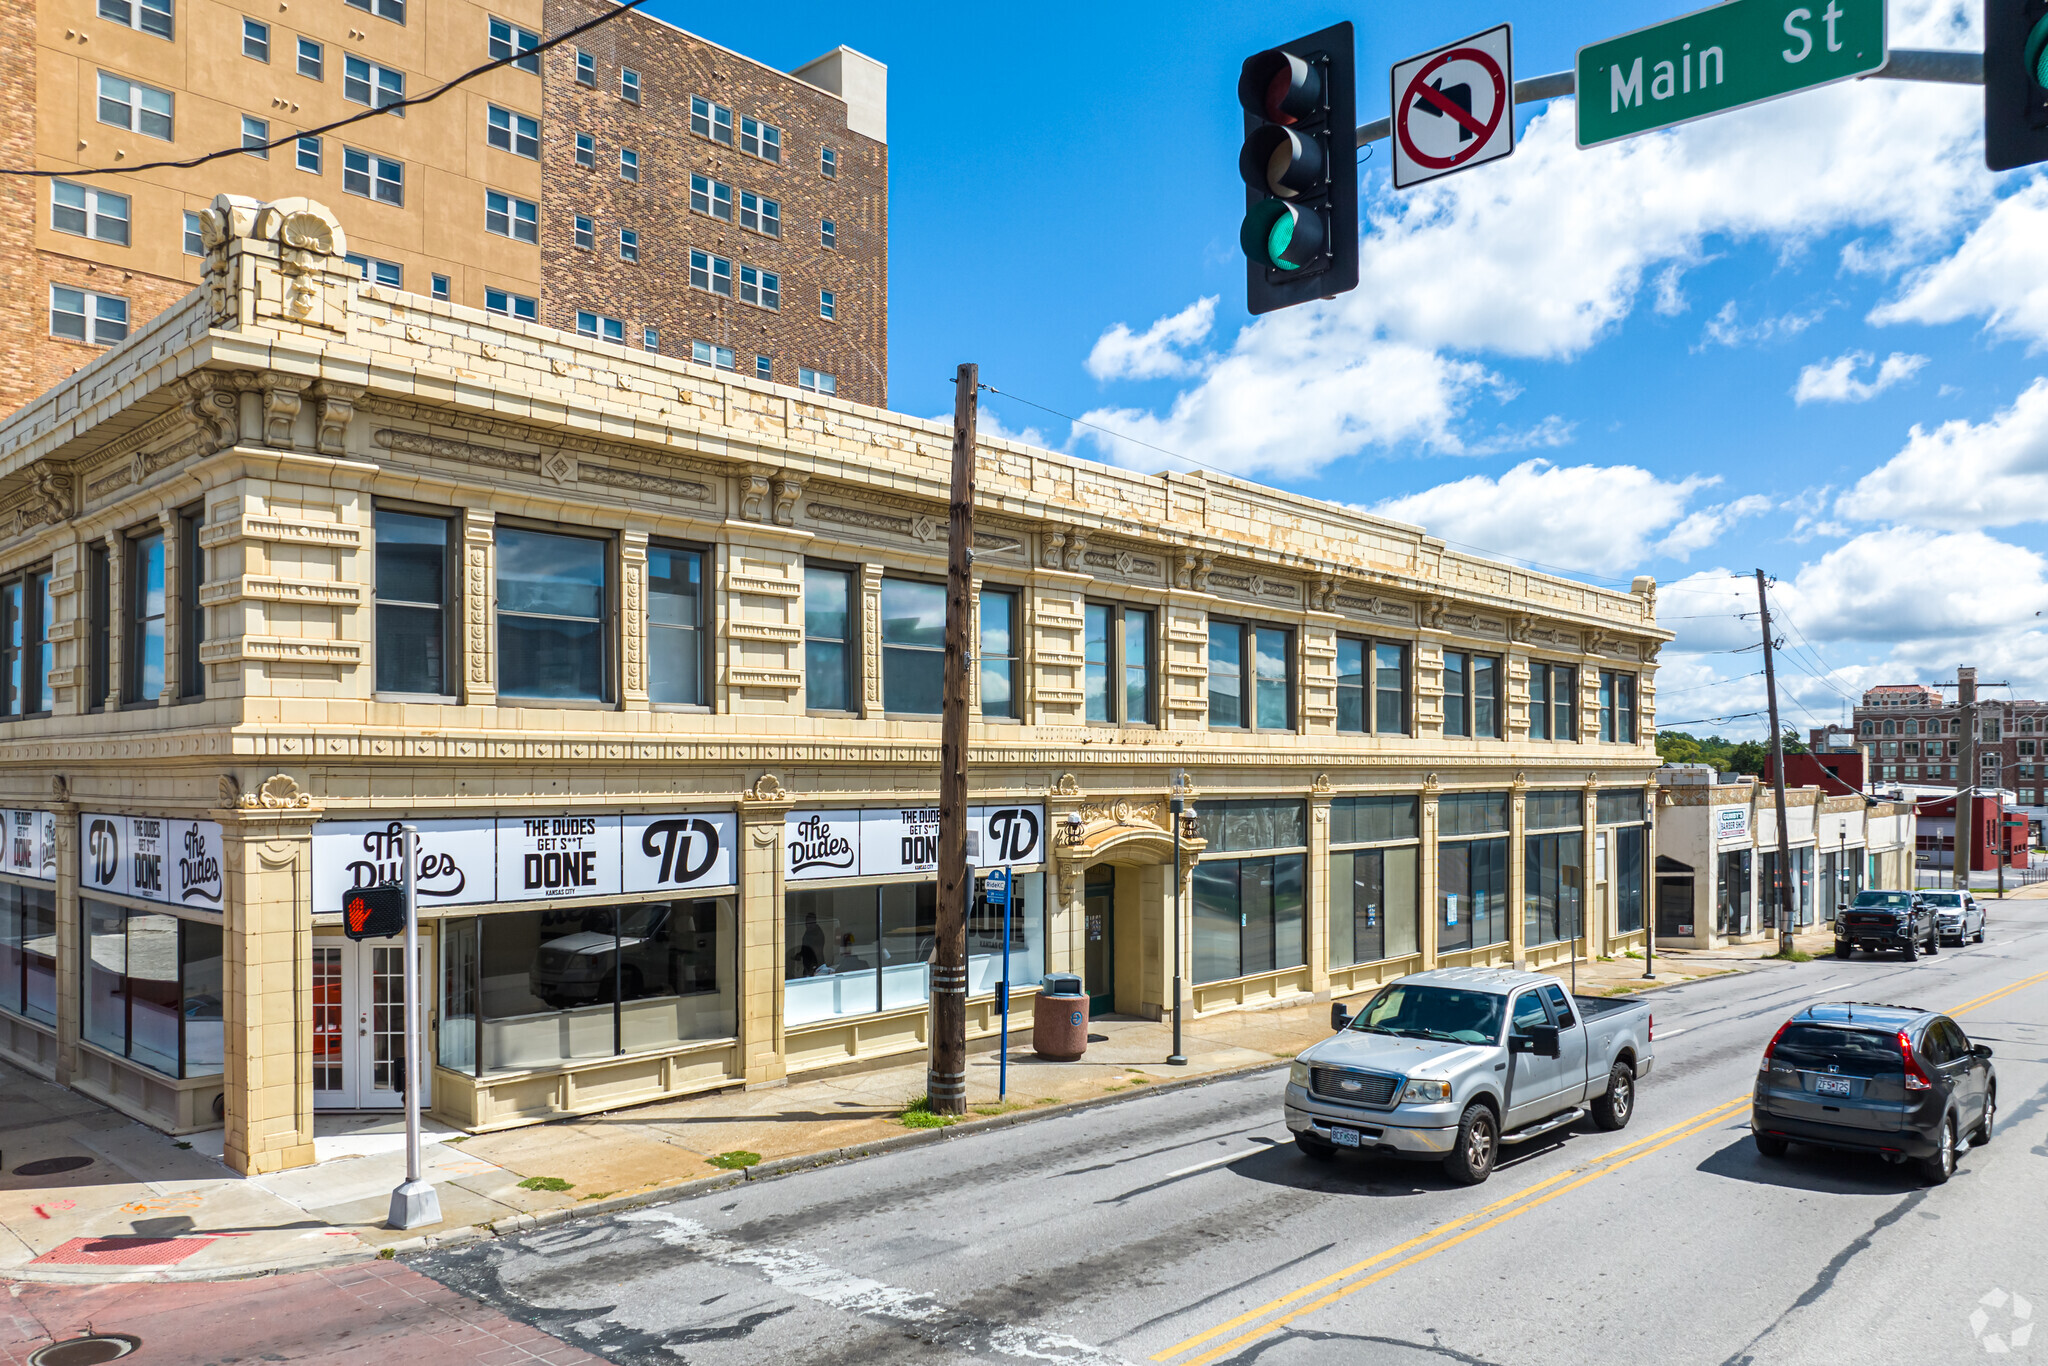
{"x":90,"y":1350}
{"x":50,"y":1166}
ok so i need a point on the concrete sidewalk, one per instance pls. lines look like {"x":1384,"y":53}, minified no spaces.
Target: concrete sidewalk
{"x":88,"y":1196}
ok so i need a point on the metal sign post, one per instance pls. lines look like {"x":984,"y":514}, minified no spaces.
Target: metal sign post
{"x":414,"y":1203}
{"x":998,"y":891}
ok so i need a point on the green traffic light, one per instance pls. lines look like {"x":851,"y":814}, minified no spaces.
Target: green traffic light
{"x":1279,"y":239}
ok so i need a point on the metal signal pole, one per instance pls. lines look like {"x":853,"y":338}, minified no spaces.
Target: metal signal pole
{"x":946,"y":1075}
{"x":1763,"y":603}
{"x":414,"y":1203}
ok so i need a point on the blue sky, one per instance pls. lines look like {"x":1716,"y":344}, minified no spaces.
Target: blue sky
{"x":1799,"y":337}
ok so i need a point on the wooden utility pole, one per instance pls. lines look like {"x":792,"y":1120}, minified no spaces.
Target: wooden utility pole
{"x":946,"y":1076}
{"x":1763,"y":604}
{"x":1964,"y":839}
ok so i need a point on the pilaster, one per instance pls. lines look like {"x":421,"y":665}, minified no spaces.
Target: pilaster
{"x":1518,"y":872}
{"x":871,"y":640}
{"x":632,"y":644}
{"x":1318,"y":909}
{"x":267,"y":983}
{"x":117,"y":619}
{"x":479,"y":607}
{"x":1426,"y":876}
{"x":68,"y":952}
{"x":763,"y":947}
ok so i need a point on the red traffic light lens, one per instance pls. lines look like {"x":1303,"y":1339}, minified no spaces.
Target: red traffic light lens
{"x":1280,"y":87}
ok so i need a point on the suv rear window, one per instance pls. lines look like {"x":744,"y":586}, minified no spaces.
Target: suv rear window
{"x":1861,"y":1052}
{"x":1886,"y":899}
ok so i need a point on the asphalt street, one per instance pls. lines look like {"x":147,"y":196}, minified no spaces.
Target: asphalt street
{"x":1183,"y":1228}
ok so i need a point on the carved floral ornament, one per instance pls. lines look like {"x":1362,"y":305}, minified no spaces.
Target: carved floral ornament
{"x":278,"y":792}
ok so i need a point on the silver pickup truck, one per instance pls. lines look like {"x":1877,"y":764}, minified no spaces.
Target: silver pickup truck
{"x":1456,"y":1063}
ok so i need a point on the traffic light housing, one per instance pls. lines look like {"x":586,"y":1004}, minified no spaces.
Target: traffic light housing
{"x":1300,"y":168}
{"x":373,"y":912}
{"x":2015,"y":83}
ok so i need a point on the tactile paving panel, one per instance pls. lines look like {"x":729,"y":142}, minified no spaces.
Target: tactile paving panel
{"x":121,"y":1252}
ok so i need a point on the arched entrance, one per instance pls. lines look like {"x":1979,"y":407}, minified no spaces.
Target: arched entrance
{"x":1117,"y":882}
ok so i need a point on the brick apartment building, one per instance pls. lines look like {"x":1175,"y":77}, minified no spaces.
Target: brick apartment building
{"x":1912,"y":733}
{"x":638,"y":184}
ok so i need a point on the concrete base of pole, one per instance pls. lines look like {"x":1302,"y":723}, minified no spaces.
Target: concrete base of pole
{"x":415,"y":1204}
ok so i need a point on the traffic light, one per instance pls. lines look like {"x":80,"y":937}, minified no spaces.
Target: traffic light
{"x":373,"y":912}
{"x":1300,"y":169}
{"x":2015,"y":83}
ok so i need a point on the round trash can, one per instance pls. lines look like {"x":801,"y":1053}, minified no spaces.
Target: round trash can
{"x":1059,"y":1019}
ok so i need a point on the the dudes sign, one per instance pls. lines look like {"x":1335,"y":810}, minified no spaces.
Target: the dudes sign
{"x":891,"y":840}
{"x":177,"y":863}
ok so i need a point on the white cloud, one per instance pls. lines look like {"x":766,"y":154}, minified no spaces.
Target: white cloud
{"x":1964,"y":474}
{"x":1727,"y":329}
{"x":1157,"y":352}
{"x":1999,"y":274}
{"x":1588,"y":518}
{"x":1834,"y":381}
{"x":988,"y":424}
{"x":1551,"y":432}
{"x":1543,"y":253}
{"x":1957,"y":590}
{"x":1671,"y":300}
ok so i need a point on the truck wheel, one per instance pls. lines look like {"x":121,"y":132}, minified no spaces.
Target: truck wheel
{"x":1941,"y":1166}
{"x":1314,"y":1148}
{"x":1770,"y":1145}
{"x":1472,"y":1156}
{"x":1614,"y":1109}
{"x":1934,"y":943}
{"x":1912,"y":952}
{"x":1843,"y":950}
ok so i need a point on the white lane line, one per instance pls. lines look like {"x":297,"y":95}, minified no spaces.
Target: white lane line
{"x":1674,"y":1033}
{"x":1222,"y":1161}
{"x":802,"y":1274}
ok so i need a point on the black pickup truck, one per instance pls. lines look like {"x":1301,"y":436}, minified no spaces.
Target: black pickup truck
{"x":1887,"y":922}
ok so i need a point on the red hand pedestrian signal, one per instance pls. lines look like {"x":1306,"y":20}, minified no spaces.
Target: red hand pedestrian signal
{"x":373,"y":912}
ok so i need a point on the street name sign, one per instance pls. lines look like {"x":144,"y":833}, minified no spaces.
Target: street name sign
{"x":1714,"y":60}
{"x":1453,"y":107}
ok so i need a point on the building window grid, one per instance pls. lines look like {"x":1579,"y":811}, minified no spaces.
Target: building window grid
{"x":586,"y":68}
{"x":1618,"y":708}
{"x":629,"y":85}
{"x":1553,"y":702}
{"x":27,"y":653}
{"x":1118,"y":651}
{"x":520,"y":306}
{"x":828,"y":234}
{"x":89,"y":211}
{"x":996,"y":657}
{"x":507,"y":39}
{"x":136,"y":107}
{"x":367,"y":82}
{"x":438,"y":287}
{"x":762,"y":288}
{"x":711,"y":197}
{"x":629,"y":245}
{"x":764,"y":367}
{"x":394,"y":10}
{"x":156,"y":17}
{"x":1471,"y":700}
{"x":828,"y":305}
{"x":763,"y":140}
{"x":709,"y":120}
{"x":585,"y":233}
{"x":603,"y":328}
{"x":710,"y":273}
{"x":678,"y":638}
{"x":828,"y":162}
{"x":509,"y":216}
{"x":629,"y":165}
{"x":1372,"y":686}
{"x":377,"y":272}
{"x":373,"y":177}
{"x":307,"y":155}
{"x":1251,"y":676}
{"x":816,"y":381}
{"x":758,"y":213}
{"x":312,"y":62}
{"x":256,"y":137}
{"x":195,"y":238}
{"x":512,"y":132}
{"x":586,"y":151}
{"x":831,"y":649}
{"x":718,"y":357}
{"x":256,"y":40}
{"x":82,"y":315}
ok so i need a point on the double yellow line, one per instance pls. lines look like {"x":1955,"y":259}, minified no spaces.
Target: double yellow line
{"x":1255,"y":1323}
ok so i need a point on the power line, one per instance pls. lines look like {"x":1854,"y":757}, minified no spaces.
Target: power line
{"x":1715,"y":720}
{"x":518,"y":55}
{"x":1702,"y":687}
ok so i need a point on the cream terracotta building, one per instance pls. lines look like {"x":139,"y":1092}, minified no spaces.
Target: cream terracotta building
{"x":648,"y":652}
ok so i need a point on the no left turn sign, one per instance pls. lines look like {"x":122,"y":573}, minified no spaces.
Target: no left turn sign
{"x":1453,"y":107}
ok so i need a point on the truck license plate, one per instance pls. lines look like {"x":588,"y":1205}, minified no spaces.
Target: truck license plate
{"x":1344,"y":1138}
{"x":1831,"y":1086}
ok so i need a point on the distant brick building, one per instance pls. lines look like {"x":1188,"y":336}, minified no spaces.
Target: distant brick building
{"x":1913,"y":733}
{"x":638,"y":184}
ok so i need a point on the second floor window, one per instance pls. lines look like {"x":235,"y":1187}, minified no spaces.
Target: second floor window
{"x":147,"y":614}
{"x":376,"y":271}
{"x":139,"y":108}
{"x":1372,"y":687}
{"x":830,"y":663}
{"x":27,"y":654}
{"x":1251,"y":676}
{"x":1471,"y":695}
{"x":998,"y":652}
{"x":507,"y":39}
{"x":88,"y":211}
{"x":514,"y":133}
{"x":552,"y":609}
{"x":1117,"y":654}
{"x":413,"y":594}
{"x":913,"y":646}
{"x":1553,"y":702}
{"x":508,"y":216}
{"x":705,"y":353}
{"x":816,"y":381}
{"x":1617,"y":708}
{"x":675,"y":626}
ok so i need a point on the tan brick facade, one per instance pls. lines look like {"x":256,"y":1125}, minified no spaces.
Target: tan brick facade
{"x":53,"y":52}
{"x":297,"y":410}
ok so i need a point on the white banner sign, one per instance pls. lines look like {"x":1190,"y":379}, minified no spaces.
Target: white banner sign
{"x":895,"y":840}
{"x":177,"y":863}
{"x":30,"y":849}
{"x":1731,"y":823}
{"x":480,"y":860}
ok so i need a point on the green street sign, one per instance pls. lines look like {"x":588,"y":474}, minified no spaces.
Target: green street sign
{"x":1714,"y":60}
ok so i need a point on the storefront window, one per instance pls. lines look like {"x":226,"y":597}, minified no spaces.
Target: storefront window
{"x":1248,"y":916}
{"x":551,"y":615}
{"x":1628,"y":878}
{"x":28,"y":952}
{"x":151,"y":989}
{"x":1732,"y":899}
{"x":559,"y":985}
{"x":1373,"y":908}
{"x":858,"y":950}
{"x":1472,"y":873}
{"x":1553,"y":902}
{"x":913,"y":646}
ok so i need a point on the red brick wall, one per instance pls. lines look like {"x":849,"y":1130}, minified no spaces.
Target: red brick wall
{"x":673,"y":66}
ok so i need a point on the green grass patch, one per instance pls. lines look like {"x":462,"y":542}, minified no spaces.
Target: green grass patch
{"x":1047,"y":1100}
{"x":1001,"y":1107}
{"x":598,"y":1195}
{"x":1622,"y":990}
{"x":1794,"y":956}
{"x":546,"y":1183}
{"x":1636,"y":954}
{"x":738,"y":1160}
{"x":918,"y":1115}
{"x":385,"y":1254}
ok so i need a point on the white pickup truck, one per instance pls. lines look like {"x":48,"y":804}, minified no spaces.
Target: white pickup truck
{"x":1455,"y":1063}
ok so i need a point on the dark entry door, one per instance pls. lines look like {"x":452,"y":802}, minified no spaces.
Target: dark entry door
{"x":1674,"y":907}
{"x":1098,"y":930}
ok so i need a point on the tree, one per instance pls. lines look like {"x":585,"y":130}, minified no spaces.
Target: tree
{"x":1727,"y":756}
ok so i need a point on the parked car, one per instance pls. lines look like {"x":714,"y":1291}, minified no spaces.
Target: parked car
{"x":1452,"y":1065}
{"x":1958,"y":916}
{"x":1904,"y":1083}
{"x":1887,"y":922}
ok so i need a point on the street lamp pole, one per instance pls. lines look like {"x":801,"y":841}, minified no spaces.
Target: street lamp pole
{"x":1176,"y":806}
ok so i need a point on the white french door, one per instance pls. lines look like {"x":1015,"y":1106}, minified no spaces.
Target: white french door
{"x":358,"y":1023}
